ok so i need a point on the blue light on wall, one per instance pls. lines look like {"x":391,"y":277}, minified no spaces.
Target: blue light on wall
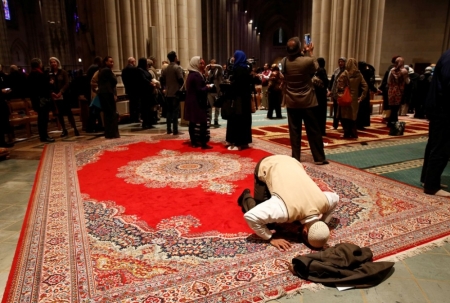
{"x":6,"y":8}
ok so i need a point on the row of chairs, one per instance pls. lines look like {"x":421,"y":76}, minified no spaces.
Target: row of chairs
{"x":22,"y":113}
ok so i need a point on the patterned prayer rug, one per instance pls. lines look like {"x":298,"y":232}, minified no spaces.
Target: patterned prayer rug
{"x":149,"y":219}
{"x":279,"y":134}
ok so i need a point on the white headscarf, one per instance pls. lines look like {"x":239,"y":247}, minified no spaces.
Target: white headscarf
{"x":194,"y":63}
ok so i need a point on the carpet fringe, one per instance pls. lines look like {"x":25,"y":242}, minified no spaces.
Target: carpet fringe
{"x":417,"y":250}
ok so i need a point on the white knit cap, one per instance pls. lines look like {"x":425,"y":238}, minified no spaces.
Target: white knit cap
{"x":318,"y":234}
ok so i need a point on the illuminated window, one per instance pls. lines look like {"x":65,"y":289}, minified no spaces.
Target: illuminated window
{"x":6,"y":8}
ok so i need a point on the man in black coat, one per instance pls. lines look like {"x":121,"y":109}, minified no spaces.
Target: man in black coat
{"x":437,"y":108}
{"x":129,"y":79}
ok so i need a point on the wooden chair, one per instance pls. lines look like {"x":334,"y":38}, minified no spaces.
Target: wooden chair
{"x":378,"y":102}
{"x":330,"y":107}
{"x":34,"y":115}
{"x":18,"y":115}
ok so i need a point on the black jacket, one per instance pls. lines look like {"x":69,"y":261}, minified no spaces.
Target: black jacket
{"x":342,"y":264}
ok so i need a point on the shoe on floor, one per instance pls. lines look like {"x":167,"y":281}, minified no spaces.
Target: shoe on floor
{"x":48,"y":140}
{"x":233,"y":148}
{"x":206,"y":146}
{"x":241,"y":197}
{"x":322,"y":162}
{"x":64,"y":133}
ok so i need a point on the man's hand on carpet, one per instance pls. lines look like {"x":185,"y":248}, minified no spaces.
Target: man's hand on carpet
{"x":281,"y":244}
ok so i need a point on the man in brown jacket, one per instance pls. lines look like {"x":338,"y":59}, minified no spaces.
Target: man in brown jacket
{"x":283,"y":192}
{"x":300,"y":99}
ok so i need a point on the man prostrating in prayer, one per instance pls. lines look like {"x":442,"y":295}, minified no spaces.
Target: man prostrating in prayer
{"x":284,"y":193}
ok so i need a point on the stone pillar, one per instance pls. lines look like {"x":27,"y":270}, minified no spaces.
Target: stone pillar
{"x":171,"y":24}
{"x":183,"y":33}
{"x":337,"y":32}
{"x":112,"y":34}
{"x":126,"y":33}
{"x":141,"y":29}
{"x":158,"y":20}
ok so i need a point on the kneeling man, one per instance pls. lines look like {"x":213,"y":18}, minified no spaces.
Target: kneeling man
{"x":283,"y":192}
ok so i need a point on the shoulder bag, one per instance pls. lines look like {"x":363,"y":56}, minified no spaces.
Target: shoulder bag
{"x":346,"y":98}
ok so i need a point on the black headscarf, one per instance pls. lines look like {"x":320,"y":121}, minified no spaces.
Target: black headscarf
{"x":142,"y":63}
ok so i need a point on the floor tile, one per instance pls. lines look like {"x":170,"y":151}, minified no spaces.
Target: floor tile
{"x":7,"y":255}
{"x":429,"y":266}
{"x":13,"y":238}
{"x":13,"y":213}
{"x":436,"y":291}
{"x":14,"y":185}
{"x":3,"y":279}
{"x":5,"y":234}
{"x":437,"y":250}
{"x":395,"y":290}
{"x":297,"y":298}
{"x":15,"y":226}
{"x":401,"y":271}
{"x":4,"y":224}
{"x":332,"y":295}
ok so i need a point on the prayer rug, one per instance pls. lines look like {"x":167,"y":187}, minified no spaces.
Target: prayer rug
{"x":150,"y":219}
{"x":279,"y":134}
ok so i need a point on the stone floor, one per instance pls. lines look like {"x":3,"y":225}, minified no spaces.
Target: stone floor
{"x":421,"y":278}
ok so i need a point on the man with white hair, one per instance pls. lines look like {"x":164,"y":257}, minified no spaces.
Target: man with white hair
{"x":283,"y":192}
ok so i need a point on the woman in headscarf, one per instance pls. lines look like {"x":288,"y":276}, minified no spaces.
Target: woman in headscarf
{"x":397,"y":79}
{"x":353,"y":79}
{"x":59,"y":80}
{"x":146,"y":96}
{"x":196,"y":104}
{"x":239,"y":125}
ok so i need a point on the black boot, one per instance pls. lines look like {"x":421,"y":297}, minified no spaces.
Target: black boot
{"x":64,"y":133}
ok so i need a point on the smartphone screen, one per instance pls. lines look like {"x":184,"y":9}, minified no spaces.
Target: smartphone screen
{"x":308,"y":39}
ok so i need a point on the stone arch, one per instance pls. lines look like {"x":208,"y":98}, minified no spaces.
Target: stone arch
{"x":20,"y":55}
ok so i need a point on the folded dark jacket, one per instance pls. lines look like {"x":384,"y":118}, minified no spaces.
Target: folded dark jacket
{"x":345,"y":264}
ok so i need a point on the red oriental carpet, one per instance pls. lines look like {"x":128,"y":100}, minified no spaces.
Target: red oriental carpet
{"x":279,"y":134}
{"x":149,"y":219}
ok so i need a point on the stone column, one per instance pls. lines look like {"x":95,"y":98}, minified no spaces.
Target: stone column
{"x":158,"y":20}
{"x":141,"y":28}
{"x":183,"y":33}
{"x":126,"y":33}
{"x":112,"y":35}
{"x":171,"y":24}
{"x":349,"y":28}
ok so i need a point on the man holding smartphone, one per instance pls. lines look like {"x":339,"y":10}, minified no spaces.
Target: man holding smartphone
{"x":300,"y":99}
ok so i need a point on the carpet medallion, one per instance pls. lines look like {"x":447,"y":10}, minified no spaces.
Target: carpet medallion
{"x":149,"y":219}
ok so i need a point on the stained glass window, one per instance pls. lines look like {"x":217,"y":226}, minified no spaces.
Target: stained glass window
{"x":6,"y":8}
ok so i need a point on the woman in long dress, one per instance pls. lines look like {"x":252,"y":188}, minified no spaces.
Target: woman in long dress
{"x":239,"y":126}
{"x":196,"y":104}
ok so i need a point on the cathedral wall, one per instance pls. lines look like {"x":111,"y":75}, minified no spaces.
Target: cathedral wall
{"x":415,"y":30}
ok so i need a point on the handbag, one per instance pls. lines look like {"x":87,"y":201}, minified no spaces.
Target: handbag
{"x":227,"y":109}
{"x":346,"y":98}
{"x":181,"y":94}
{"x":397,"y":129}
{"x":96,"y":102}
